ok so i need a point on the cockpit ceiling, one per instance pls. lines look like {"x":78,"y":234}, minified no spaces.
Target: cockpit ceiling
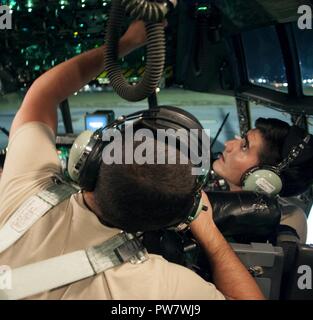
{"x":239,"y":15}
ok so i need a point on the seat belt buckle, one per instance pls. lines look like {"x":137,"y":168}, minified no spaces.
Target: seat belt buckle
{"x":131,"y":250}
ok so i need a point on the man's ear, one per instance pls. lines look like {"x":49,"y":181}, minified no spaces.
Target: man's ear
{"x":90,"y":201}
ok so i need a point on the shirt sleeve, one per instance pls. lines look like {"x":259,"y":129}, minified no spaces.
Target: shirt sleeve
{"x":30,"y":164}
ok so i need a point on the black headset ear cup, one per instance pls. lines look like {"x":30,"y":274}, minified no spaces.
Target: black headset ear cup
{"x":90,"y":172}
{"x":263,"y":179}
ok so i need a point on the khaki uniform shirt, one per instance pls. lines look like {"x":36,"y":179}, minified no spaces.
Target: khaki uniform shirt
{"x":30,"y":165}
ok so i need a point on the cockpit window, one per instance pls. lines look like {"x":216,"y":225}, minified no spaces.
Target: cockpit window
{"x":265,"y":63}
{"x":305,"y":49}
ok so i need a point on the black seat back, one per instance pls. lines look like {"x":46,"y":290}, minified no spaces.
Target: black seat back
{"x":298,"y":268}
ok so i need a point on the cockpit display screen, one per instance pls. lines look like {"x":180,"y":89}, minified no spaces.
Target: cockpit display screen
{"x":97,"y":120}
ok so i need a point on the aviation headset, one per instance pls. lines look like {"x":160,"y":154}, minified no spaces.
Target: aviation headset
{"x":86,"y":154}
{"x":269,"y":179}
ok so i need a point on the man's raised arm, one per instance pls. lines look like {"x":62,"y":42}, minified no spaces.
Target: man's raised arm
{"x":54,"y":86}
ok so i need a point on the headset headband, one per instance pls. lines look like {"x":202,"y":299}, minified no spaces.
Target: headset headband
{"x":142,"y":116}
{"x":293,"y":154}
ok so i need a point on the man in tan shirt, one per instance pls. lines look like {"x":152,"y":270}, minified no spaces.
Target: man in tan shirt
{"x":74,"y":224}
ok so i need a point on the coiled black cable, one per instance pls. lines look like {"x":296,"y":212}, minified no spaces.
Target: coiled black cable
{"x":147,"y":11}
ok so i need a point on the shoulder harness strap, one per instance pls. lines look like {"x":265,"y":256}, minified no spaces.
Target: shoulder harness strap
{"x":32,"y":210}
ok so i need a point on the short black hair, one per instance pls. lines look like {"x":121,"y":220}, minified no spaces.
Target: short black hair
{"x":144,"y":197}
{"x":274,"y":133}
{"x":277,"y":135}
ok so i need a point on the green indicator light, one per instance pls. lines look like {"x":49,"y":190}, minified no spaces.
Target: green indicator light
{"x":202,"y":8}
